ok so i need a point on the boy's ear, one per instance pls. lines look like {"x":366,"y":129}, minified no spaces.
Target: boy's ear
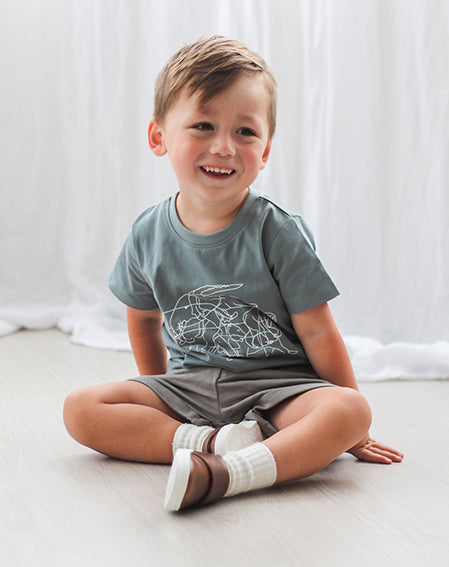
{"x":156,"y":139}
{"x":266,"y":153}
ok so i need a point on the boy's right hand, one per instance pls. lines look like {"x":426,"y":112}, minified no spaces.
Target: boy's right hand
{"x":373,"y":452}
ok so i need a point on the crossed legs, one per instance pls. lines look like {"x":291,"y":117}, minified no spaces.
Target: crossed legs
{"x":127,"y":420}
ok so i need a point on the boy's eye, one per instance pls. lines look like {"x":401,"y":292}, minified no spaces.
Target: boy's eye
{"x":246,"y":132}
{"x":203,"y":126}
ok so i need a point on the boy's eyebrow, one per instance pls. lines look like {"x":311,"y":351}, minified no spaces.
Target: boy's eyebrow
{"x":248,"y":116}
{"x":243,"y":117}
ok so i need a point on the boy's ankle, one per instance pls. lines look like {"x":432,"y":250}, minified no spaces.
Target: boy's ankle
{"x":220,"y":440}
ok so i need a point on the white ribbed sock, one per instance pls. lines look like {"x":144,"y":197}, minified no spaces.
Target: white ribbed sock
{"x":250,"y":468}
{"x":189,"y":436}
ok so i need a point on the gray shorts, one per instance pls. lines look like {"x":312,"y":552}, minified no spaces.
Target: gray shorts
{"x":215,"y":397}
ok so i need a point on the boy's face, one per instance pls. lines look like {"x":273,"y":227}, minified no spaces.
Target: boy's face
{"x":218,"y":149}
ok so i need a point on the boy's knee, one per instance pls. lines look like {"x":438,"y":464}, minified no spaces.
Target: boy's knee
{"x":352,"y":408}
{"x":77,"y":412}
{"x":357,"y":407}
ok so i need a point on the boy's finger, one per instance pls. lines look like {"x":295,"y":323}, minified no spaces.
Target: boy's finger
{"x":385,"y":456}
{"x":374,"y":457}
{"x":388,"y":451}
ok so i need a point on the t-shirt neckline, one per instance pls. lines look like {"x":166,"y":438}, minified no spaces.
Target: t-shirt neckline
{"x":216,"y":237}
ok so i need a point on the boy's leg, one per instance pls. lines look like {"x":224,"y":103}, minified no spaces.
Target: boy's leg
{"x":128,"y":420}
{"x":315,"y":428}
{"x":125,"y":420}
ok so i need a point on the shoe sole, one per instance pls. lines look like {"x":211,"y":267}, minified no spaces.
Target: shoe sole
{"x":178,"y":480}
{"x":235,"y":436}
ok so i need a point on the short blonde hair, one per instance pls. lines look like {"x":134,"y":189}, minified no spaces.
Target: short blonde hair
{"x":209,"y":66}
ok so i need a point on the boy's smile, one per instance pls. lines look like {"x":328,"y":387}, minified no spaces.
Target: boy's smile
{"x":217,"y":171}
{"x":217,"y":149}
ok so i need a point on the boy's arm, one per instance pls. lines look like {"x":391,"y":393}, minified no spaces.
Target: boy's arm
{"x":324,"y":345}
{"x":144,"y":329}
{"x":327,"y":353}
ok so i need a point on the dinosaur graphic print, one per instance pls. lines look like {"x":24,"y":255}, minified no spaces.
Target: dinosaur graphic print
{"x":211,"y":319}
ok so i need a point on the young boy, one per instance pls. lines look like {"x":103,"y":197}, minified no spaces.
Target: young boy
{"x":230,"y":283}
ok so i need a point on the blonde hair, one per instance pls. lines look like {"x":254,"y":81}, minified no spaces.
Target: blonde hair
{"x":209,"y":66}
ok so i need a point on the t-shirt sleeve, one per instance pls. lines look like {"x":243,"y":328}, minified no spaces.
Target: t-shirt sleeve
{"x":128,"y":281}
{"x":299,"y":273}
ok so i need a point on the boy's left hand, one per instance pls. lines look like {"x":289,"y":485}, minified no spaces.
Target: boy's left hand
{"x":370,"y":450}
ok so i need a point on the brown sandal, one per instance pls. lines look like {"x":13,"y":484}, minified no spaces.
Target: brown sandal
{"x":195,"y":478}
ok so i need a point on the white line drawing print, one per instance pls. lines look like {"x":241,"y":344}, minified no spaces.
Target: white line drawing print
{"x":210,"y":319}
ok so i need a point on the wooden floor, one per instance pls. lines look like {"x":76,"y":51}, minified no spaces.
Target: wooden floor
{"x":63,"y":505}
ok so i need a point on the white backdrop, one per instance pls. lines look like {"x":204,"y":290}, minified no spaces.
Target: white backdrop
{"x":361,"y":151}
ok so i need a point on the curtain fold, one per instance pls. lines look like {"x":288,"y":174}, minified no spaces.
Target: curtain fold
{"x":360,"y":151}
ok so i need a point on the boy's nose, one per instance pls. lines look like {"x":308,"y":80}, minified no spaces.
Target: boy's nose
{"x":223,"y":145}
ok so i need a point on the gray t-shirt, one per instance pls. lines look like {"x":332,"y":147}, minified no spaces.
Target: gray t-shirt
{"x":226,"y":297}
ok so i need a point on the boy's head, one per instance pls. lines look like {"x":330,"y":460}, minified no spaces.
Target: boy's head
{"x":208,"y":67}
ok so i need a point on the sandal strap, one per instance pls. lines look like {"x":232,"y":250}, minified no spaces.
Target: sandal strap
{"x":208,"y":481}
{"x":219,"y":476}
{"x":209,"y":442}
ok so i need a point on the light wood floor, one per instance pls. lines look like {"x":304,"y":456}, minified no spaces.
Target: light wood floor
{"x":63,"y":505}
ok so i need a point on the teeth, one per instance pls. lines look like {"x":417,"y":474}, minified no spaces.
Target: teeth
{"x":217,"y":170}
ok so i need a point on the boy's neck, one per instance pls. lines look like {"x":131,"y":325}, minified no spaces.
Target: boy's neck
{"x":207,"y":217}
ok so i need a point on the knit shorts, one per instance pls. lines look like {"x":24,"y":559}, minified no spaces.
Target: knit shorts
{"x":215,"y":397}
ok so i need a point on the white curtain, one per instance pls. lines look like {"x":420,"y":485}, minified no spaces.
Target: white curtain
{"x":361,"y":150}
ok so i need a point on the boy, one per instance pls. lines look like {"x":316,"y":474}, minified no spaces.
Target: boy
{"x":231,"y":285}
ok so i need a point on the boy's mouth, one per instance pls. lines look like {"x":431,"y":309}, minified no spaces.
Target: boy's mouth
{"x":217,"y":171}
